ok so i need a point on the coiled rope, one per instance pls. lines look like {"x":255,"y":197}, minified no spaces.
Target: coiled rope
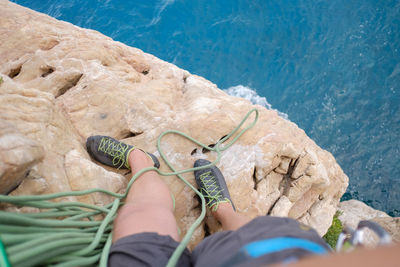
{"x":78,"y":239}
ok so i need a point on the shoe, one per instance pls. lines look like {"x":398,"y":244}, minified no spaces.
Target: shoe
{"x":112,"y":152}
{"x":212,"y":185}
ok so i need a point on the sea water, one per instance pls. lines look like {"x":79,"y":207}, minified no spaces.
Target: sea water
{"x":330,"y":66}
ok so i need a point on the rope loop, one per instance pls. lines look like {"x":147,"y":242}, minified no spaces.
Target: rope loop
{"x":67,"y":234}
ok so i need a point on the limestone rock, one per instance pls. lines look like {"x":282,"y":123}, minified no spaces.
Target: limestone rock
{"x":17,"y":156}
{"x":84,"y":174}
{"x":354,"y":211}
{"x":62,"y":84}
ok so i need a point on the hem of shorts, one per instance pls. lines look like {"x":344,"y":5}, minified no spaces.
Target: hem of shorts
{"x":141,"y":238}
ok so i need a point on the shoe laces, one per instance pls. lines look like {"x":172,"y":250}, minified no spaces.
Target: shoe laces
{"x":211,"y":190}
{"x":114,"y":149}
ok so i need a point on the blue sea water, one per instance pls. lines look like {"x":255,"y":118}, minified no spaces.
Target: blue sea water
{"x":333,"y":66}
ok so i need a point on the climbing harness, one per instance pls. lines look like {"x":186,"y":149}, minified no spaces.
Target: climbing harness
{"x":70,"y":233}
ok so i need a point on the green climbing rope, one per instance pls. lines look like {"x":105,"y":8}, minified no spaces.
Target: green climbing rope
{"x":72,"y":233}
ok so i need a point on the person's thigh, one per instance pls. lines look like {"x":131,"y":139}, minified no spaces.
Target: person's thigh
{"x":145,"y":249}
{"x":135,"y":218}
{"x":229,"y":247}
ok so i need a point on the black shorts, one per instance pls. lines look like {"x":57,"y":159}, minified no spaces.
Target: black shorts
{"x":264,"y":240}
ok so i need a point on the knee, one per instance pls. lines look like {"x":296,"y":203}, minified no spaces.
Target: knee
{"x":129,"y":209}
{"x":146,"y":210}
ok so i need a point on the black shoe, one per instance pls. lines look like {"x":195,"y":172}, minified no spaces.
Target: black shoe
{"x":212,"y":185}
{"x":112,"y":152}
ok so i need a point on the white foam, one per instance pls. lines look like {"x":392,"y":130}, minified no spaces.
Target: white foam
{"x":160,"y":7}
{"x":251,"y":95}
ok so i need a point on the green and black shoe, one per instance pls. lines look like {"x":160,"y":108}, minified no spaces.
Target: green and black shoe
{"x":112,"y":152}
{"x":212,"y":185}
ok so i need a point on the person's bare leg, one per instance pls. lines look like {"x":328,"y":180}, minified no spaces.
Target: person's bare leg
{"x":230,"y":219}
{"x":148,"y":206}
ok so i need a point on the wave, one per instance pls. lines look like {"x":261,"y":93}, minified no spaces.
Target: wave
{"x":251,"y":95}
{"x":160,"y":7}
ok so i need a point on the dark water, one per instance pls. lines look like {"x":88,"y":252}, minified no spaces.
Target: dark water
{"x":332,"y":66}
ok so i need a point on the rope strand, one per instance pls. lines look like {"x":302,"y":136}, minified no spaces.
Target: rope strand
{"x":76,"y":240}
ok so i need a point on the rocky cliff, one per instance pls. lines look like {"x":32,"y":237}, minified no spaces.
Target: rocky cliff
{"x":62,"y":83}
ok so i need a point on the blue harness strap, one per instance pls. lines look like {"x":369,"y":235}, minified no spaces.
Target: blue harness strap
{"x":267,"y":246}
{"x":264,"y":247}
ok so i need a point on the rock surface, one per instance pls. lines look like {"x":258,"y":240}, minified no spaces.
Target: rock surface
{"x":354,"y":211}
{"x":63,"y":83}
{"x":18,"y":154}
{"x":391,"y":225}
